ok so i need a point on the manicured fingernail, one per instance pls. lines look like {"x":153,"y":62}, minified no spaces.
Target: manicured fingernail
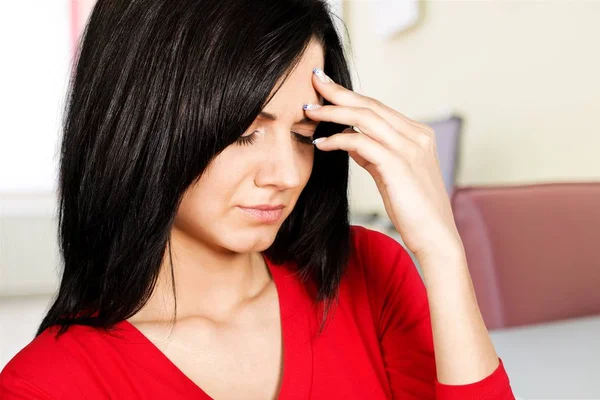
{"x":321,"y":75}
{"x":319,"y":140}
{"x":311,"y":106}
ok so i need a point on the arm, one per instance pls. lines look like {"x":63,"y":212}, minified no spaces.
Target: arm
{"x":401,"y":156}
{"x":404,"y":316}
{"x":466,"y":360}
{"x":463,"y":348}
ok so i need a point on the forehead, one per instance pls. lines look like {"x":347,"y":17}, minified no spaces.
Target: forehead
{"x":298,"y":88}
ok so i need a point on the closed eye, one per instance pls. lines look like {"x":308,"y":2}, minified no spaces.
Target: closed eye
{"x":303,"y":139}
{"x":249,"y":139}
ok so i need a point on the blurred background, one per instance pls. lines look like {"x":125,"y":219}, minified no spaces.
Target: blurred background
{"x":512,"y":89}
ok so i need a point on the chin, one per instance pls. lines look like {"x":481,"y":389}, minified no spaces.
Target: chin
{"x":252,"y":239}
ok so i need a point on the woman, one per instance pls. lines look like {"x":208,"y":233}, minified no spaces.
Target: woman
{"x":206,"y":245}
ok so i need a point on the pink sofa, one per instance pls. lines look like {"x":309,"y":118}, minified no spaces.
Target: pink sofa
{"x":533,"y":251}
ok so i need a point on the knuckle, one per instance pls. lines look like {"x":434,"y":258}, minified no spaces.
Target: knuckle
{"x":425,"y":140}
{"x":426,"y":137}
{"x":427,"y":129}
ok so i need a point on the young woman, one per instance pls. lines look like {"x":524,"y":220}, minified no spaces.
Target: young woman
{"x":205,"y":238}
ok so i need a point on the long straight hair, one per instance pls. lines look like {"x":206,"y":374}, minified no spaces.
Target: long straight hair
{"x":159,"y":89}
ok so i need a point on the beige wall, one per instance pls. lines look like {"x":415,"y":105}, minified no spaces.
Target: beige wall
{"x":524,"y":74}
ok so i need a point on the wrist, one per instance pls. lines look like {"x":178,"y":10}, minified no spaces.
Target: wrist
{"x":443,"y":252}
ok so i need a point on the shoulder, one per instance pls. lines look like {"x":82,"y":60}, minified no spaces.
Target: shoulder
{"x":394,"y":288}
{"x":52,"y":366}
{"x":384,"y":265}
{"x":366,"y":239}
{"x":378,"y":254}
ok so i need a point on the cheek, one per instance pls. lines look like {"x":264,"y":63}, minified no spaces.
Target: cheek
{"x":195,"y":208}
{"x":217,"y":186}
{"x":210,"y":197}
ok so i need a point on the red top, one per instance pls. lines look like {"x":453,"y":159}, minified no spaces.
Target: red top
{"x":377,"y":345}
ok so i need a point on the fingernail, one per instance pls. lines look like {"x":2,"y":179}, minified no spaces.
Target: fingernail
{"x":319,"y":140}
{"x":311,"y":106}
{"x":321,"y":75}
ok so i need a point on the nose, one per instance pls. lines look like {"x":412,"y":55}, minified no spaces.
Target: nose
{"x":279,"y":167}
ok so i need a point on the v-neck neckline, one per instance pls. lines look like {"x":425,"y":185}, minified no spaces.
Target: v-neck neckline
{"x":296,"y":335}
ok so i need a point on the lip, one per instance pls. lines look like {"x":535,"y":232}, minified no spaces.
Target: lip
{"x":265,"y":207}
{"x":264,"y":213}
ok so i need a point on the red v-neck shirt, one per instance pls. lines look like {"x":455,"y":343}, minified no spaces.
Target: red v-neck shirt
{"x":377,"y":345}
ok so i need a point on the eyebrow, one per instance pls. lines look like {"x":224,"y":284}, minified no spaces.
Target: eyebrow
{"x":273,"y":117}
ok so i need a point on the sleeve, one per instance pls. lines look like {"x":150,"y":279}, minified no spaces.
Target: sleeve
{"x":401,"y":312}
{"x":16,"y":388}
{"x":41,"y":371}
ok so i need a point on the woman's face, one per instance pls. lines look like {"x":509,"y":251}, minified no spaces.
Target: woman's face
{"x":269,"y":167}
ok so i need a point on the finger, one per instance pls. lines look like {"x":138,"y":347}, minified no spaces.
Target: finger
{"x":339,"y":95}
{"x":414,"y":130}
{"x":367,"y":148}
{"x":358,"y":159}
{"x":369,"y":123}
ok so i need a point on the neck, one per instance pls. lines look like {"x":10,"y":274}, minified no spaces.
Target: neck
{"x":209,"y":283}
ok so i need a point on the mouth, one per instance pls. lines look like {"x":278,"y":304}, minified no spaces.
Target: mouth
{"x":264,"y":213}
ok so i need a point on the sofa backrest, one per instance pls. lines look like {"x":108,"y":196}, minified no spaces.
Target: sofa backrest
{"x":533,"y":250}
